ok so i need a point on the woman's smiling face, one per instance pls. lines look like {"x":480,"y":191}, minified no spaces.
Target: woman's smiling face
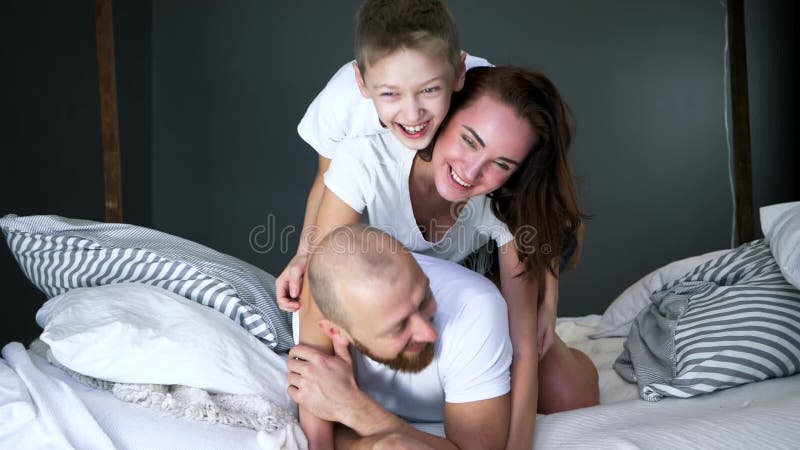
{"x":481,"y":146}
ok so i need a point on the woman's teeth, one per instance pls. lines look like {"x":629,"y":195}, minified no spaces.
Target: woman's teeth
{"x":458,"y":179}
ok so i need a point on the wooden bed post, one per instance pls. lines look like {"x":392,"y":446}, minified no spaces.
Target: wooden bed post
{"x":742,"y":161}
{"x":106,"y":74}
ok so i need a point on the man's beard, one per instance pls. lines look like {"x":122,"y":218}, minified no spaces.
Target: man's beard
{"x":412,"y":364}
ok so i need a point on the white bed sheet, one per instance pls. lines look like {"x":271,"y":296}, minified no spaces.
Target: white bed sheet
{"x":758,"y":415}
{"x":764,"y":415}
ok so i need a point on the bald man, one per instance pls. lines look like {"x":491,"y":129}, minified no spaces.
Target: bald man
{"x":415,"y":339}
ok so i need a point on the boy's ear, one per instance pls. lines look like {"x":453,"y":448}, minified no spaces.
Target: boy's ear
{"x":334,"y":332}
{"x":360,"y":80}
{"x":461,"y":72}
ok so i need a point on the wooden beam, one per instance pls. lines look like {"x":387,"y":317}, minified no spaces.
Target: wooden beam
{"x":742,"y":161}
{"x":107,"y":78}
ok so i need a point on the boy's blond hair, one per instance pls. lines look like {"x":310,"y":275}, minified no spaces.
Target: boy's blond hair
{"x":385,"y":26}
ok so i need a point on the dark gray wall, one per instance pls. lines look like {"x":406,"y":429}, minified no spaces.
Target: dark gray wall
{"x":644,"y":80}
{"x":215,"y":91}
{"x":50,"y":126}
{"x":230,"y":82}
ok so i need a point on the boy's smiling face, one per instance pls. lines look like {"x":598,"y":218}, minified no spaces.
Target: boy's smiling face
{"x":411,"y":91}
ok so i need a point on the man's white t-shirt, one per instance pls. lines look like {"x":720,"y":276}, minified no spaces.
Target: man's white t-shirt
{"x":372,"y":174}
{"x":340,"y":111}
{"x":473,"y":349}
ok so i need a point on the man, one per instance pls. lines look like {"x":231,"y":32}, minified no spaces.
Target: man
{"x":430,"y":344}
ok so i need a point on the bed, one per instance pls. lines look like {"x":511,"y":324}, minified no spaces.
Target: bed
{"x":759,"y":415}
{"x":43,"y":404}
{"x":121,"y":290}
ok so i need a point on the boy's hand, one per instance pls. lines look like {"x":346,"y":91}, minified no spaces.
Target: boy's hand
{"x":290,"y":282}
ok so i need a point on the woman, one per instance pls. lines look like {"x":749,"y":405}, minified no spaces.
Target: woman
{"x":498,"y":170}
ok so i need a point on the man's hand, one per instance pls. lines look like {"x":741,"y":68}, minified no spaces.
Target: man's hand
{"x":324,"y":384}
{"x":290,"y":282}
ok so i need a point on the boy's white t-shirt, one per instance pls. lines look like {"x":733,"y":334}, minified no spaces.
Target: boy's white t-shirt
{"x":372,"y":174}
{"x":340,"y":111}
{"x":473,"y":349}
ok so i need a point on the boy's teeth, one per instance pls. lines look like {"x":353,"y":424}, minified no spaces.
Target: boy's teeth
{"x":458,"y":179}
{"x":414,"y":129}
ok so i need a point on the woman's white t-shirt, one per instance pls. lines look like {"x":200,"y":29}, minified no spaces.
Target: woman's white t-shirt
{"x":372,"y":175}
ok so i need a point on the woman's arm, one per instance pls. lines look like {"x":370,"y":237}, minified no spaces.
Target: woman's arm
{"x":333,"y":212}
{"x":521,"y":295}
{"x":547,"y":310}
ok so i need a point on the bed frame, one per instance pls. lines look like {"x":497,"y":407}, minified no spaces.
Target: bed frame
{"x":109,"y":118}
{"x":742,"y":163}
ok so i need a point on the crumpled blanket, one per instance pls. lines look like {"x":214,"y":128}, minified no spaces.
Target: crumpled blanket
{"x":730,"y":321}
{"x":280,"y":427}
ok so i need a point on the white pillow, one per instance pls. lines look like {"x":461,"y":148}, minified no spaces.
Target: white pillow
{"x":137,"y":333}
{"x":781,"y":226}
{"x":616,"y":320}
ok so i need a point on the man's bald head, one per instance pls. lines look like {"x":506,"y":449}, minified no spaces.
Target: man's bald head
{"x":353,"y":258}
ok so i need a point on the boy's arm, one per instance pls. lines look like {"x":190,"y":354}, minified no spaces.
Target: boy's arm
{"x":314,"y":201}
{"x":333,"y":212}
{"x":319,"y":433}
{"x":290,"y":282}
{"x":521,"y":298}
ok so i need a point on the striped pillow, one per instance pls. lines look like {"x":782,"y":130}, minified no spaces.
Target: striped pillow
{"x":730,"y":322}
{"x":58,"y":254}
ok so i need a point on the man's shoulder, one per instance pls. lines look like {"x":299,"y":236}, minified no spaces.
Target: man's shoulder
{"x":459,"y":290}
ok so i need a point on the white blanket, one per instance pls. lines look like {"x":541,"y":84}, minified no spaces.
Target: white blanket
{"x":39,"y":412}
{"x":42,"y":407}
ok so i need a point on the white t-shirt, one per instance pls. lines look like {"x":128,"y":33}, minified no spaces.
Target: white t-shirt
{"x":340,"y":111}
{"x":373,"y":174}
{"x":473,"y":351}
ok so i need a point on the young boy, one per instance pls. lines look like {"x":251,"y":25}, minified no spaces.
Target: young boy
{"x":408,"y":64}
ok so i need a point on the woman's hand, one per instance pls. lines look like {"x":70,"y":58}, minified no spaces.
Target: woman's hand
{"x":546,"y":314}
{"x":290,"y":282}
{"x":545,"y":326}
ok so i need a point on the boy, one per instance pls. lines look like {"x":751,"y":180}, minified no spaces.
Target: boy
{"x":408,"y":64}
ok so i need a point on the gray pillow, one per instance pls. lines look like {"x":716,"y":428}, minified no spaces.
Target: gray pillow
{"x":734,"y":321}
{"x":58,"y":254}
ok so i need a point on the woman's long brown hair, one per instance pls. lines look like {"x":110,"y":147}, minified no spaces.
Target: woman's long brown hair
{"x":539,"y":202}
